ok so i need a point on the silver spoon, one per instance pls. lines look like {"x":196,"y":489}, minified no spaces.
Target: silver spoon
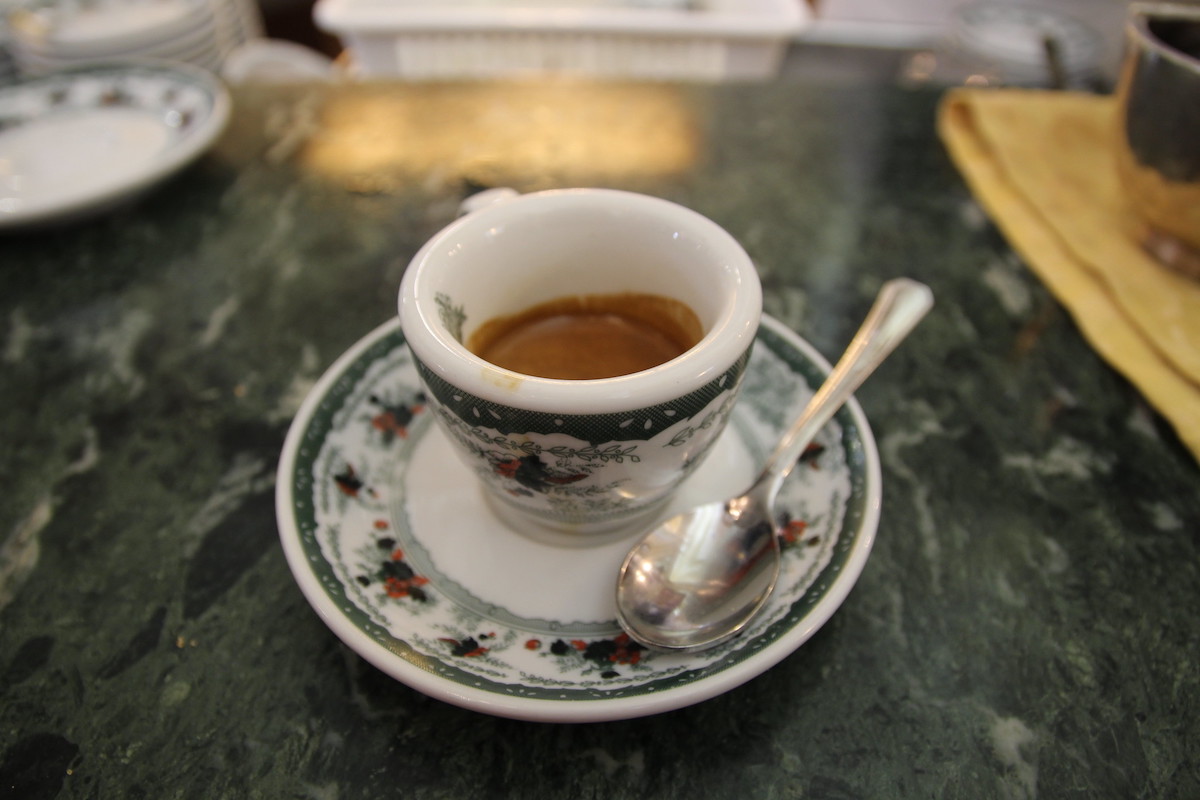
{"x":697,"y":579}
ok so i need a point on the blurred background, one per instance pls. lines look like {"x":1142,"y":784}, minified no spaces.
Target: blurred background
{"x":836,"y":36}
{"x":1064,"y":43}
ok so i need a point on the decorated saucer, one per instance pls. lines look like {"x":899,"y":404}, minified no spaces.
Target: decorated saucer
{"x":80,"y":141}
{"x":394,"y":545}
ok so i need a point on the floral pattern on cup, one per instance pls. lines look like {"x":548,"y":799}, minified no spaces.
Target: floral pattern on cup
{"x":555,"y":464}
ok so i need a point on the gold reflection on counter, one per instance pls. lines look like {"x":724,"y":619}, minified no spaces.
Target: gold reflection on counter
{"x":374,"y":135}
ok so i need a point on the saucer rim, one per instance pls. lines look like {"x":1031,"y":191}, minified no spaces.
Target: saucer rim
{"x":573,"y":709}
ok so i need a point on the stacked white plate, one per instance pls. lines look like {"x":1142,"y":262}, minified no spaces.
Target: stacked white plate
{"x":49,"y":35}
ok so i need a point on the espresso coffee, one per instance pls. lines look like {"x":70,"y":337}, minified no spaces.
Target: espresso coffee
{"x":590,"y":336}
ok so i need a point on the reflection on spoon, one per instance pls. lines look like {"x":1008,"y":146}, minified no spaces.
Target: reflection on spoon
{"x":700,"y":577}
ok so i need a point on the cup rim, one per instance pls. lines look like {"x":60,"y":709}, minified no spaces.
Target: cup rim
{"x":1138,"y":26}
{"x":731,"y":334}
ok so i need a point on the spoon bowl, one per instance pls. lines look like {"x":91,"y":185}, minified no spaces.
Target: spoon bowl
{"x":699,"y":578}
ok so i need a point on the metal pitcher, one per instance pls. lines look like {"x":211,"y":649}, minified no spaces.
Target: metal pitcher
{"x":1158,"y":142}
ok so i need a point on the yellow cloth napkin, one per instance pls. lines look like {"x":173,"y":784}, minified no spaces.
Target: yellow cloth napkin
{"x":1043,"y":165}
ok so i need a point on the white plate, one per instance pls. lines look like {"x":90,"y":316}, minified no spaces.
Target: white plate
{"x":390,"y":539}
{"x":78,"y":142}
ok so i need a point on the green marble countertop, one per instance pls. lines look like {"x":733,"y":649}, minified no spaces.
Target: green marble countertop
{"x":1026,"y":624}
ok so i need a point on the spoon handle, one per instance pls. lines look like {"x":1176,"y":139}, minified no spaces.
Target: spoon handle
{"x":901,"y":304}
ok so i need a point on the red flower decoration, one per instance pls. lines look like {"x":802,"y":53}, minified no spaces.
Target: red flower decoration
{"x":400,"y":587}
{"x":627,"y":652}
{"x":792,"y":532}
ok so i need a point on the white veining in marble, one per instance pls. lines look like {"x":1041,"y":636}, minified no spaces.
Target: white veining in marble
{"x":895,"y":615}
{"x":1009,"y":289}
{"x":1067,"y":458}
{"x":972,"y":215}
{"x":924,"y":424}
{"x":303,"y":379}
{"x":325,"y":791}
{"x":218,"y":320}
{"x":1012,"y":742}
{"x":1078,"y":659}
{"x":20,"y":334}
{"x":1056,"y":561}
{"x":611,"y":765}
{"x":174,"y":693}
{"x":108,"y":338}
{"x":244,"y":477}
{"x":328,"y":791}
{"x":1065,"y":396}
{"x":1141,"y":421}
{"x":290,"y":267}
{"x":1163,"y":517}
{"x":89,"y":456}
{"x":19,"y":551}
{"x":1007,"y":594}
{"x":290,"y":126}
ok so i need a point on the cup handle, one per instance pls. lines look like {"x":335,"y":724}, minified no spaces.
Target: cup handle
{"x":485,"y":198}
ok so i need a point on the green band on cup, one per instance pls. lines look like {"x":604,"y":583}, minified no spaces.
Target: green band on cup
{"x":638,"y":424}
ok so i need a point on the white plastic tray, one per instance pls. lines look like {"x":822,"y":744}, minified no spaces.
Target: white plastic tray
{"x":717,"y":40}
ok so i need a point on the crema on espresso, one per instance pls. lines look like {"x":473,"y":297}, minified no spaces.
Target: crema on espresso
{"x":589,"y":336}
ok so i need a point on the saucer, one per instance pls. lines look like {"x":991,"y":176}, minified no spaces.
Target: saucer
{"x":394,"y":545}
{"x":81,"y":141}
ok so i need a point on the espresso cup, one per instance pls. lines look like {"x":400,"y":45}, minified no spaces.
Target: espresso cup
{"x":579,"y":461}
{"x":1158,"y":138}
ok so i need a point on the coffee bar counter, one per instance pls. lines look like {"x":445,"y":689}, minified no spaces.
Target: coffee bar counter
{"x":1025,"y":624}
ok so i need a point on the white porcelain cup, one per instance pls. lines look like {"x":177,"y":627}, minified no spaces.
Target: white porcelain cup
{"x":579,"y":461}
